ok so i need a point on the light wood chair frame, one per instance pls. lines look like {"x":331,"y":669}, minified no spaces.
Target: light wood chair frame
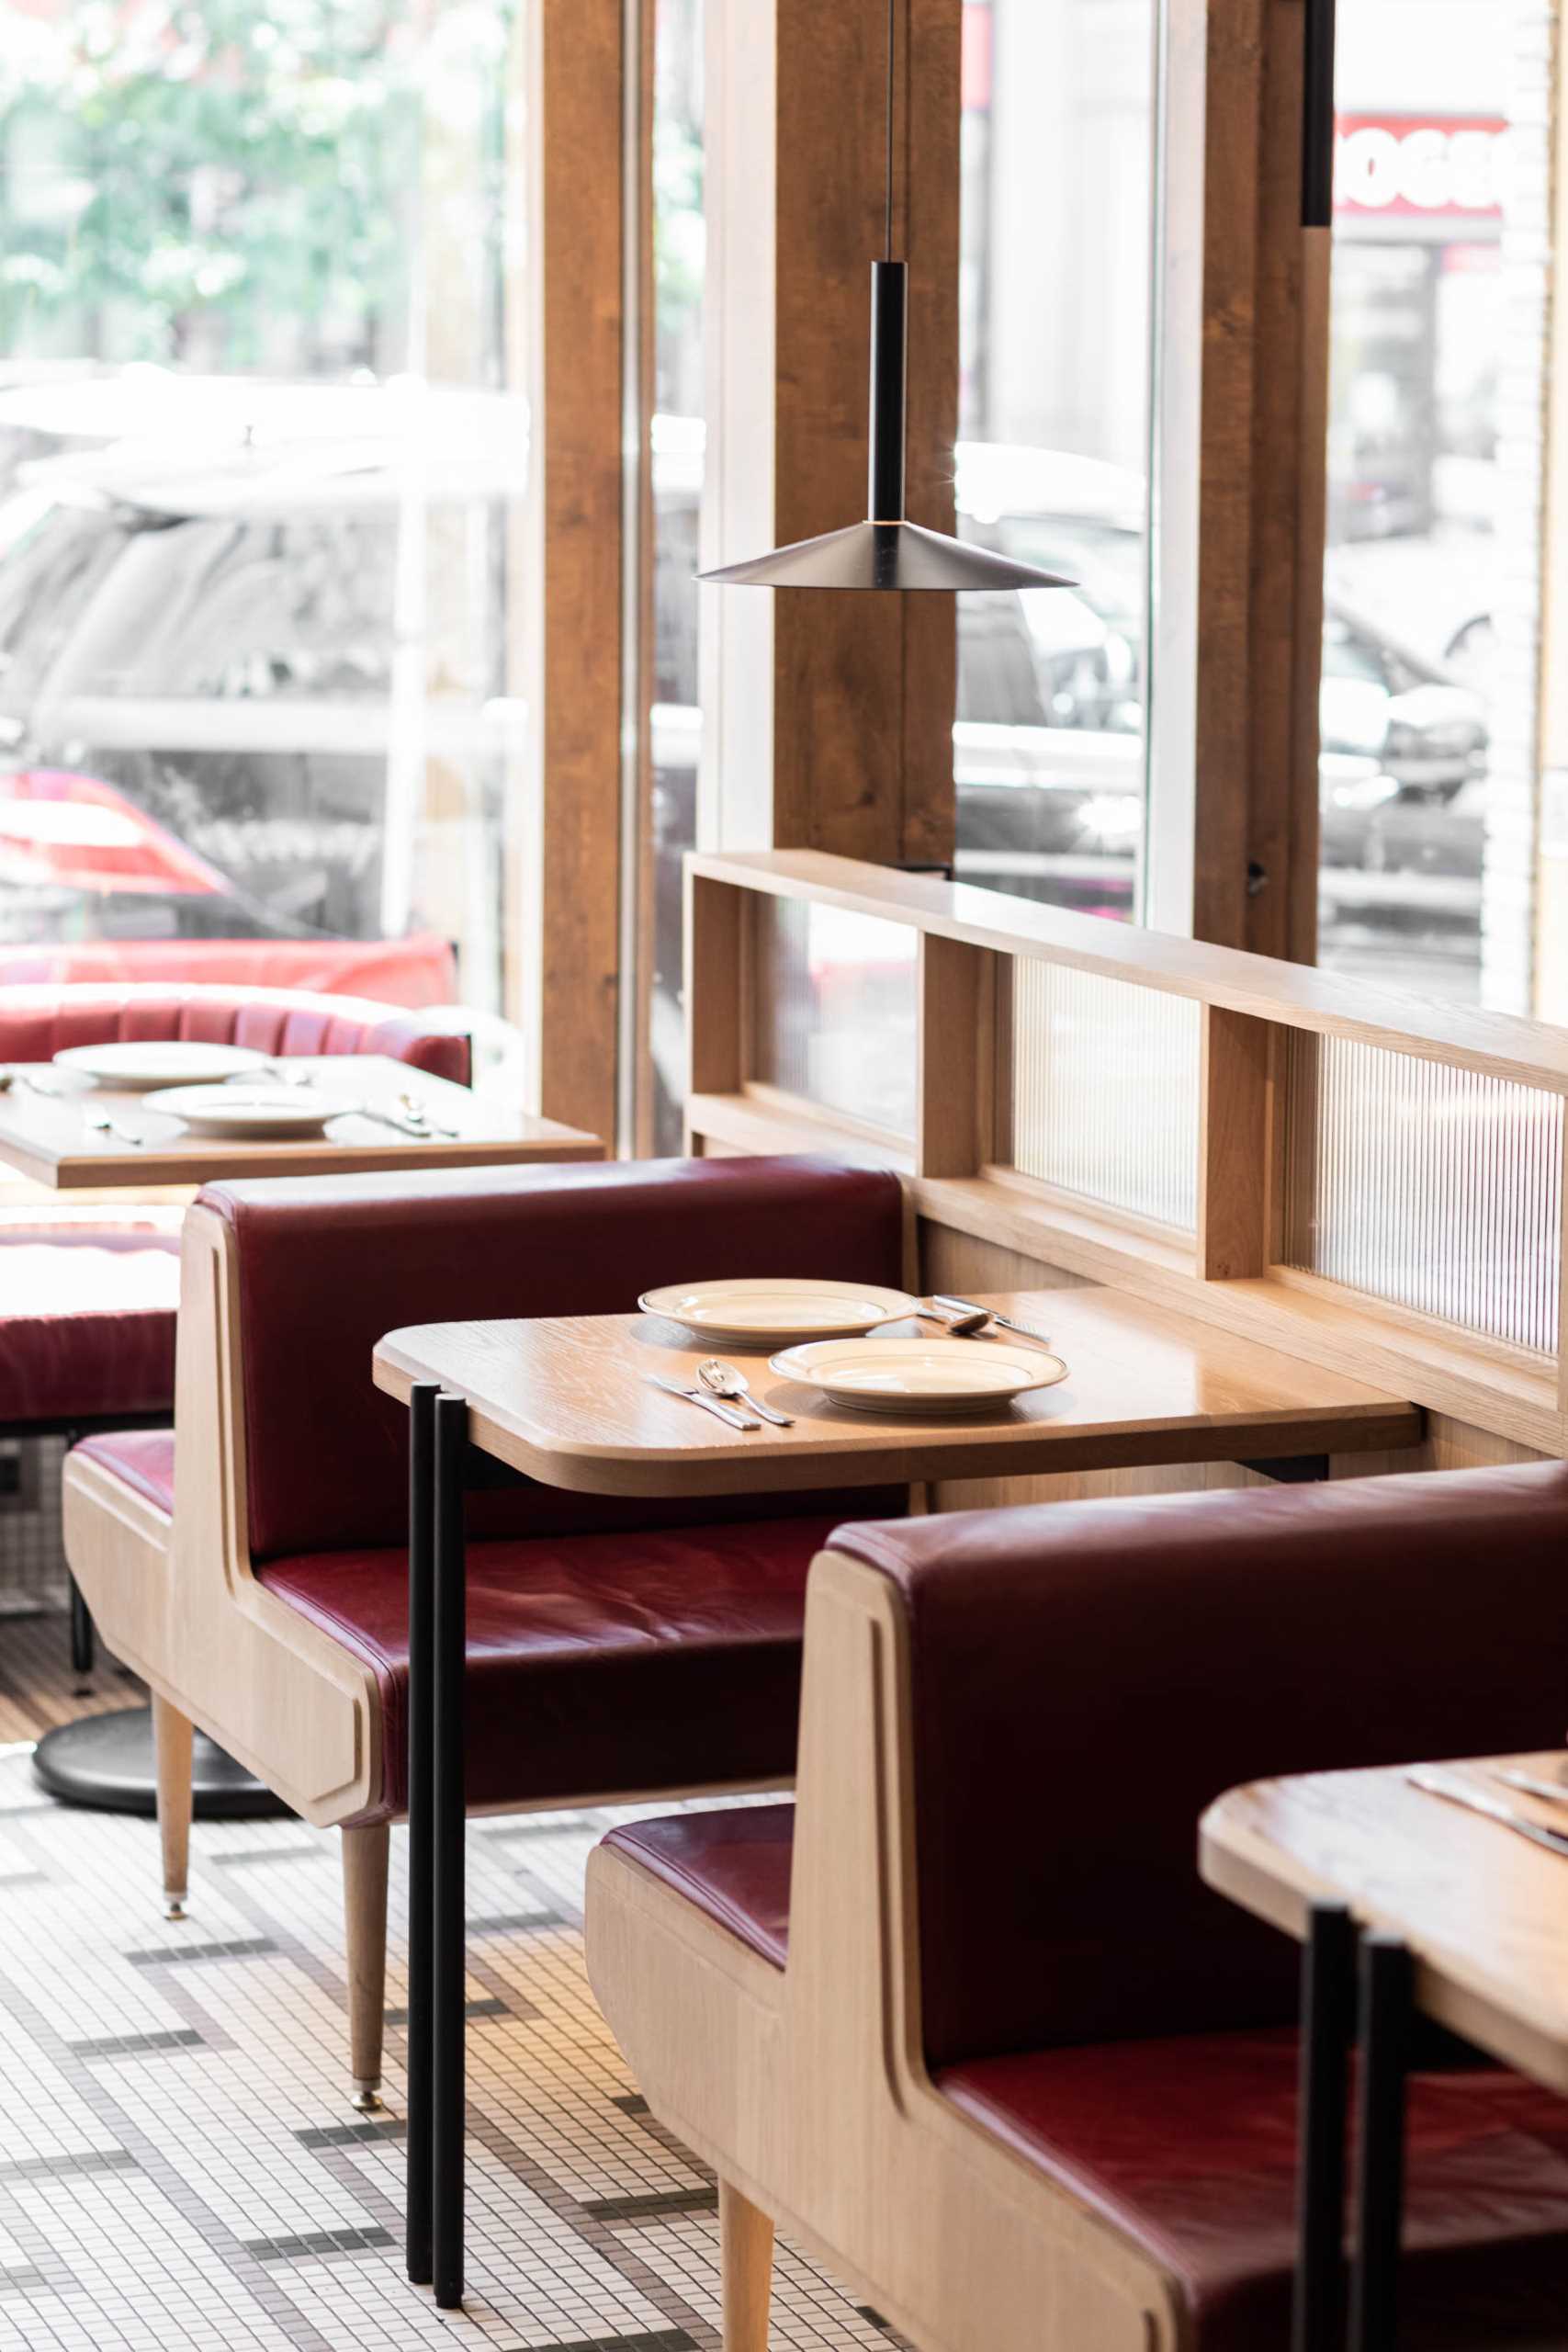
{"x":806,"y":2089}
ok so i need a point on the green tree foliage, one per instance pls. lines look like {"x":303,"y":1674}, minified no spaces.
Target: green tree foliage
{"x":220,"y":182}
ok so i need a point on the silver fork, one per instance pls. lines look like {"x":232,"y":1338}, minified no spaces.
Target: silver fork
{"x":102,"y":1125}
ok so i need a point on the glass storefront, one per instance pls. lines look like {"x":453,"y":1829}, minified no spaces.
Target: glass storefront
{"x":1427,"y":781}
{"x":259,"y":457}
{"x":675,"y":719}
{"x":1058,"y":259}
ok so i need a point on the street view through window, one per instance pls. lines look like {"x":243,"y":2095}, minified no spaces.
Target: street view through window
{"x":262,"y":449}
{"x":258,"y":456}
{"x":1420,"y":812}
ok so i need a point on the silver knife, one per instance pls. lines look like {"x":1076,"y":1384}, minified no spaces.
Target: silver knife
{"x":1475,"y":1800}
{"x":973,"y":1306}
{"x":1554,"y":1792}
{"x":709,"y":1404}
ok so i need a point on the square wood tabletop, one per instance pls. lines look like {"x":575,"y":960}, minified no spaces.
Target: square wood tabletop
{"x":568,"y":1401}
{"x":1482,"y":1910}
{"x":45,"y":1132}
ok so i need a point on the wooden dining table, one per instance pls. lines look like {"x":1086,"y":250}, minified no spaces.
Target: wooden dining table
{"x":48,"y":1134}
{"x":47,"y":1130}
{"x":568,"y":1401}
{"x":1462,"y":1916}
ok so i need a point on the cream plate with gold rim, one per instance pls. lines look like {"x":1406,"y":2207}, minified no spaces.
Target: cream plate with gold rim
{"x":133,"y":1064}
{"x":910,"y":1376}
{"x":769,"y":1311}
{"x":259,"y":1110}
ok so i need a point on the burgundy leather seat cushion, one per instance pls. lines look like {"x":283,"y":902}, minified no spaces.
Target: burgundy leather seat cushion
{"x":596,"y":1667}
{"x":86,"y":1321}
{"x":143,"y":1458}
{"x":734,"y":1865}
{"x":328,"y":1265}
{"x":1116,"y":1666}
{"x":1188,"y":2146}
{"x":37,"y":1023}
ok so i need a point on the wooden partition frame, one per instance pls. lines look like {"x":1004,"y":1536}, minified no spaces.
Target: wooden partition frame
{"x":1228,"y":1269}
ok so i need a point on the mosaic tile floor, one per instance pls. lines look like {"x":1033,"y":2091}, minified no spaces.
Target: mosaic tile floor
{"x":179,"y":2165}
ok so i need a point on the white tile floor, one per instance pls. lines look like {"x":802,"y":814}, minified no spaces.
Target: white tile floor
{"x":179,"y":2165}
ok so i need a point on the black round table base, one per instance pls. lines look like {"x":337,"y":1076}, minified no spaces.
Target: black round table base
{"x":105,"y":1761}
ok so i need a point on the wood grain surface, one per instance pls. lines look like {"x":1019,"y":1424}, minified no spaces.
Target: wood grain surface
{"x":568,"y":1401}
{"x":47,"y":1137}
{"x":1484,"y":1911}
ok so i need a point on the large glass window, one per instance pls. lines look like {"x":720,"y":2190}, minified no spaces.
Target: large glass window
{"x":258,"y":458}
{"x":1057,"y":255}
{"x":679,"y":256}
{"x":1427,"y":782}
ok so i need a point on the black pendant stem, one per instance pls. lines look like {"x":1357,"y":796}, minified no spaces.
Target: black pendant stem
{"x":889,"y":331}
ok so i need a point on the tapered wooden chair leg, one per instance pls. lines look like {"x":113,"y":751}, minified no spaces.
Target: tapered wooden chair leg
{"x":171,"y":1734}
{"x":746,"y":2253}
{"x":365,"y":1856}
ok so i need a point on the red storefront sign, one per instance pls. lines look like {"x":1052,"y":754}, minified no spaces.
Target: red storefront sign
{"x":1411,"y":167}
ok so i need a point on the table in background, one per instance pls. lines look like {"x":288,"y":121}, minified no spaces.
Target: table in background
{"x":566,"y":1401}
{"x":1467,"y":1920}
{"x":106,"y":1760}
{"x":45,"y":1136}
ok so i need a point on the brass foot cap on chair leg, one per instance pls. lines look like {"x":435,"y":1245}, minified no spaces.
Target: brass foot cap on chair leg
{"x":367,"y":2095}
{"x":174,"y":1902}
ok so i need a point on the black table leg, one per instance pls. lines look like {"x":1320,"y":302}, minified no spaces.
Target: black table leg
{"x":82,"y":1642}
{"x":449,"y":1970}
{"x":1380,"y":2187}
{"x":1328,"y":2006}
{"x":421,"y":1563}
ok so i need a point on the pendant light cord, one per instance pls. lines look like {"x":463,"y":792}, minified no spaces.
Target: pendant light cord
{"x":887,"y":255}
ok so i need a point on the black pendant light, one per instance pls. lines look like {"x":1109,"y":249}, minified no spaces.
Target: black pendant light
{"x":886,"y":550}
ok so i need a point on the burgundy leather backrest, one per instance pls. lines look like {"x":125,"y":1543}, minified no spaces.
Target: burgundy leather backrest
{"x":1088,"y":1677}
{"x":328,"y":1265}
{"x":36,"y":1024}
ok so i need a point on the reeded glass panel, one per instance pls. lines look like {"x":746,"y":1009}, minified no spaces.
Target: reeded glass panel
{"x":1438,"y":1189}
{"x":1105,"y":1091}
{"x":835,"y":1011}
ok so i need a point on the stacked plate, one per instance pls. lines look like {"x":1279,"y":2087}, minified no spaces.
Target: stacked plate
{"x":256,"y":1110}
{"x":759,"y":1313}
{"x":174,"y":1061}
{"x":914,"y":1377}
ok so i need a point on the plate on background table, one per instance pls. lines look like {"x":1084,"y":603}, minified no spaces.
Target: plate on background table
{"x":770,"y":1311}
{"x":916,"y":1376}
{"x":257,"y":1110}
{"x":172,"y":1061}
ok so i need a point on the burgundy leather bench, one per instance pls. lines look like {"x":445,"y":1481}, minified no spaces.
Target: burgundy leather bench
{"x":37,"y":1021}
{"x":88,"y":1296}
{"x":977,"y":1956}
{"x":613,"y":1648}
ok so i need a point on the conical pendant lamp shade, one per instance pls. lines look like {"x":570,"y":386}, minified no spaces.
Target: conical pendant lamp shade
{"x":886,"y":551}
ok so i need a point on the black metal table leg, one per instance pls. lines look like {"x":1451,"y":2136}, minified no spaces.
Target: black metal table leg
{"x":422,"y":1563}
{"x":83,"y":1643}
{"x":448,"y":1972}
{"x":1379,"y":2185}
{"x":1328,"y":2011}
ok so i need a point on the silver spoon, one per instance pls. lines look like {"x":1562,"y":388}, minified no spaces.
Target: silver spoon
{"x":725,"y":1381}
{"x":414,"y":1108}
{"x":957,"y":1326}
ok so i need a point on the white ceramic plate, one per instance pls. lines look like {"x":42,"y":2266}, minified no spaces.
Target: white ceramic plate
{"x":258,"y":1110}
{"x":178,"y":1061}
{"x":762,"y":1311}
{"x":910,"y":1376}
